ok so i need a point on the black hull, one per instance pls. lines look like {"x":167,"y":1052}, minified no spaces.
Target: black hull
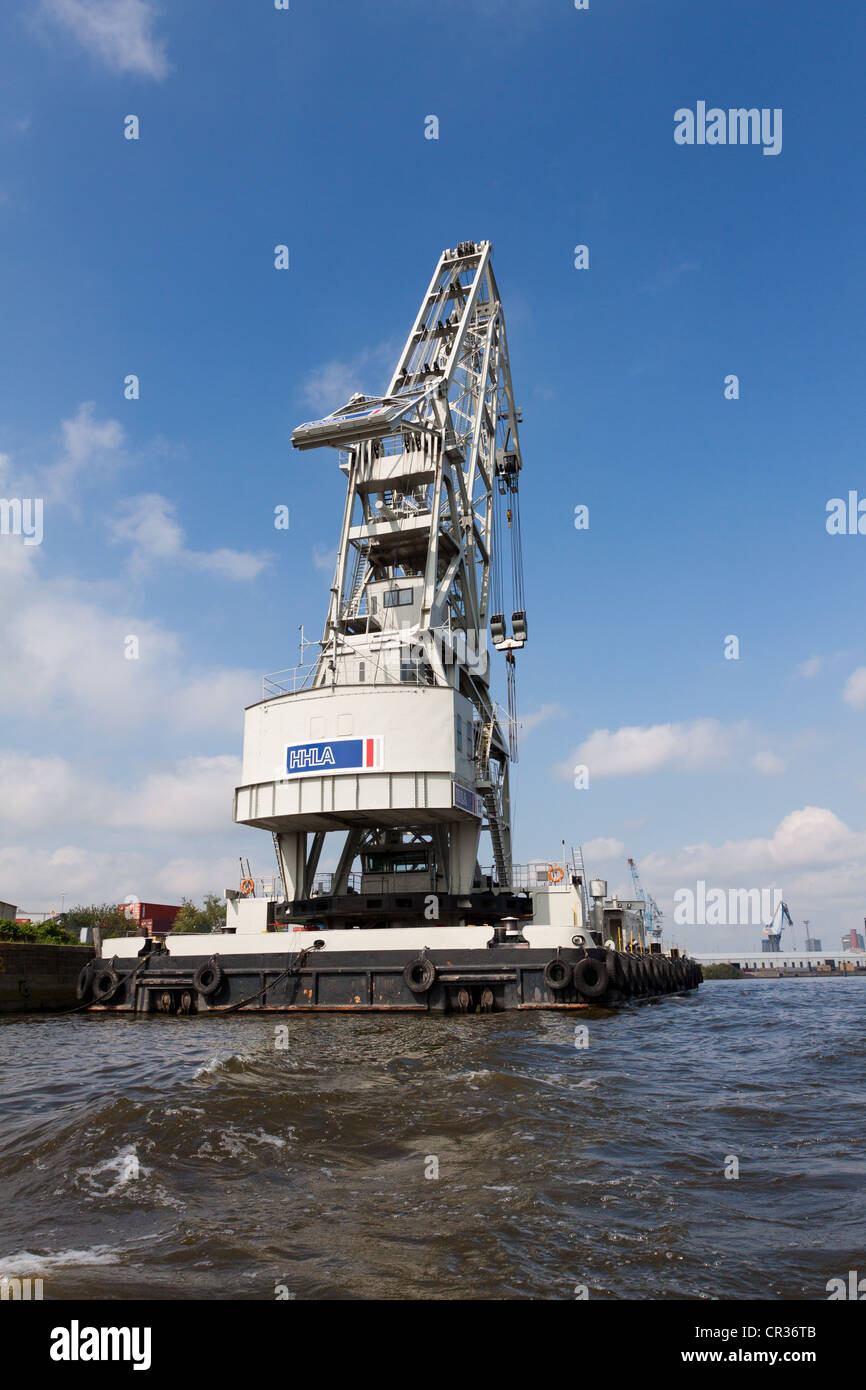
{"x":439,"y":981}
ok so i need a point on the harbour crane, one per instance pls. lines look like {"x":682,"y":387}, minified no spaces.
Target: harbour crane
{"x":773,"y":930}
{"x":428,"y":576}
{"x":652,"y":912}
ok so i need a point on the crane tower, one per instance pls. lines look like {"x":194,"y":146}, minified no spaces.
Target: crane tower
{"x":392,"y":738}
{"x":653,"y":914}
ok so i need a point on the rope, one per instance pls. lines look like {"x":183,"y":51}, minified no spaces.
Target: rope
{"x":294,"y":969}
{"x":106,"y":992}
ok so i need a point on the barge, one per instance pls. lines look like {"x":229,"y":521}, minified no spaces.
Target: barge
{"x":388,"y":756}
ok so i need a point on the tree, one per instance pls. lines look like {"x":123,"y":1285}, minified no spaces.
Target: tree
{"x":189,"y":917}
{"x":107,"y":916}
{"x":210,"y":917}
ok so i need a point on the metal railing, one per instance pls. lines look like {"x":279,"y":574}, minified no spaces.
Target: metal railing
{"x":364,"y":670}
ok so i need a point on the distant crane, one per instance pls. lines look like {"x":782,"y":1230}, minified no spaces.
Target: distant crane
{"x":773,"y":931}
{"x":652,"y":913}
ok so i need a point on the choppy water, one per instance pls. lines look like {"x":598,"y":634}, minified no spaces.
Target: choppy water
{"x":166,"y":1158}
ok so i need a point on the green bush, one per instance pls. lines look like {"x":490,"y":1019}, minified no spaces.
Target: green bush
{"x":722,"y":971}
{"x":51,"y":932}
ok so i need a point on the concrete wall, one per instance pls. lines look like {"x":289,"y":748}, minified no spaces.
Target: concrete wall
{"x":34,"y":977}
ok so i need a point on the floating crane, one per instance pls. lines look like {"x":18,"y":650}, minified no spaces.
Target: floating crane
{"x":773,"y":930}
{"x":389,"y":746}
{"x":653,"y":914}
{"x":429,"y":561}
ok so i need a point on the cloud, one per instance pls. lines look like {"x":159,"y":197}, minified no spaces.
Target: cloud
{"x":666,"y":276}
{"x":89,"y":446}
{"x":68,"y":648}
{"x":810,"y":667}
{"x":635,"y":749}
{"x":812,"y":857}
{"x":324,"y":558}
{"x":768,"y":763}
{"x":147,"y":525}
{"x":119,"y":33}
{"x":332,"y":384}
{"x":602,"y":848}
{"x":88,"y":876}
{"x":854,"y":693}
{"x":532,"y":721}
{"x":196,"y":794}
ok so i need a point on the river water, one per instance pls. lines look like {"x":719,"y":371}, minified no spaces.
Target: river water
{"x":486,"y":1157}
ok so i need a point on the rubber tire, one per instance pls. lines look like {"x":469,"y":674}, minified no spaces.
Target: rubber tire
{"x":558,"y":975}
{"x":105,"y":984}
{"x":629,"y":965}
{"x":594,"y":989}
{"x":613,"y":961}
{"x":84,"y":985}
{"x":208,"y":978}
{"x":419,"y":975}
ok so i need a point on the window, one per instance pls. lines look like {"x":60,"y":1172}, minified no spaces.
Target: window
{"x":362,"y":672}
{"x":458,"y":737}
{"x":408,"y":862}
{"x":398,"y":598}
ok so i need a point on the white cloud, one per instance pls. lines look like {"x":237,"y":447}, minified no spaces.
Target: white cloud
{"x":147,"y":525}
{"x":532,"y":721}
{"x":333,"y":383}
{"x":810,"y":667}
{"x":324,"y":558}
{"x":634,"y":749}
{"x":854,"y":693}
{"x":88,"y":876}
{"x":89,"y":447}
{"x":602,"y":848}
{"x":815,"y":860}
{"x":195,"y":796}
{"x":768,"y":763}
{"x":65,"y":650}
{"x":117,"y":32}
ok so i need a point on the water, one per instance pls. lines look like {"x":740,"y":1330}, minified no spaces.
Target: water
{"x":171,"y":1158}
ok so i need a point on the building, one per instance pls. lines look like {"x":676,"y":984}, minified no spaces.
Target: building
{"x":150,"y":917}
{"x":7,"y":912}
{"x":813,"y":943}
{"x":853,"y":941}
{"x":819,"y":962}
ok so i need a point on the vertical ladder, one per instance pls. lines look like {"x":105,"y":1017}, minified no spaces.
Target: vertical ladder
{"x":584,"y":886}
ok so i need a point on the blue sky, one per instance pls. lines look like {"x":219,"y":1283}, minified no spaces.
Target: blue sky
{"x":707,"y":515}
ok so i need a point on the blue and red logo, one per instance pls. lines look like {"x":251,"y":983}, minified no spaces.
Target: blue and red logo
{"x":334,"y":755}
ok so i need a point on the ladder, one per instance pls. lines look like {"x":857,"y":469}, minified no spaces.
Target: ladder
{"x":503,"y":869}
{"x":584,"y":886}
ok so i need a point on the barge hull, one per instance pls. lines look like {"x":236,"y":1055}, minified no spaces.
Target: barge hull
{"x":435,"y":981}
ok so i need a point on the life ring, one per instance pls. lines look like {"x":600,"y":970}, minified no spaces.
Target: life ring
{"x":420,"y":975}
{"x":555,"y":874}
{"x":208,"y":977}
{"x":558,"y":975}
{"x":591,"y":979}
{"x":247,"y":886}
